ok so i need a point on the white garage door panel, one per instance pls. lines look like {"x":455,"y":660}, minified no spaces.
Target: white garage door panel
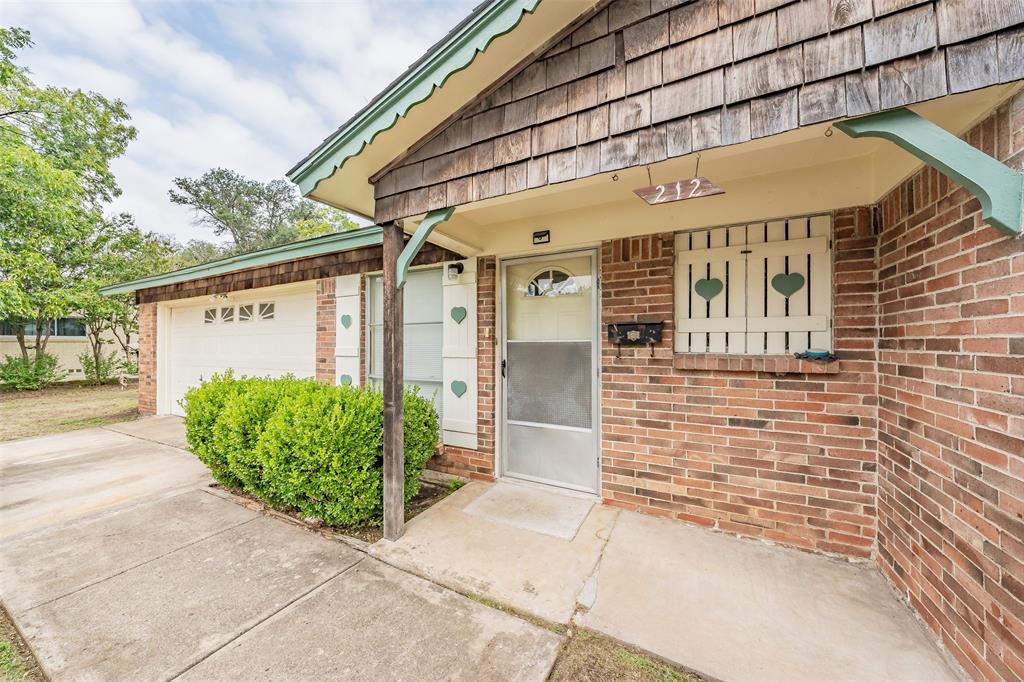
{"x":283,"y":345}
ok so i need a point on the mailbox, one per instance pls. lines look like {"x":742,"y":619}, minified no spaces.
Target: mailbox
{"x":634,"y":333}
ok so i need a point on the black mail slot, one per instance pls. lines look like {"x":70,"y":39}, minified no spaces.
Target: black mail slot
{"x":634,"y":333}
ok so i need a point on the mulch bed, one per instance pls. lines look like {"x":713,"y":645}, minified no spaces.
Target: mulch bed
{"x":429,"y":495}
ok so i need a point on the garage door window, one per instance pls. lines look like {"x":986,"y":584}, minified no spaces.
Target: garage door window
{"x":210,"y":315}
{"x":423,"y":311}
{"x":227,"y":314}
{"x":245,"y":313}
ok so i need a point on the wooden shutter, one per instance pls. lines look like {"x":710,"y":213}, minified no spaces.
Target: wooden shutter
{"x":752,"y":289}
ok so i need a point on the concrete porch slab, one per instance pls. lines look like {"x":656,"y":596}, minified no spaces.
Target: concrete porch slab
{"x":167,"y":430}
{"x":375,"y":622}
{"x":67,"y":476}
{"x":744,"y":610}
{"x":532,"y":572}
{"x":58,"y":560}
{"x":156,"y":620}
{"x":540,"y":511}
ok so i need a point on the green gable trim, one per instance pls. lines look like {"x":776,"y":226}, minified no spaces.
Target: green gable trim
{"x":332,"y":243}
{"x":999,"y":189}
{"x":454,"y":53}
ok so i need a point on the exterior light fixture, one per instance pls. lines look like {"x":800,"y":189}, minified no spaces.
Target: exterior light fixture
{"x":454,"y":271}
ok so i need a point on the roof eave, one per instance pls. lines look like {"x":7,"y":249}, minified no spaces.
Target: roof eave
{"x":456,"y":52}
{"x":318,"y":246}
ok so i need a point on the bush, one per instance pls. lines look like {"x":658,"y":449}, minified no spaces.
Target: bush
{"x":98,"y":371}
{"x":30,"y":375}
{"x":305,"y":445}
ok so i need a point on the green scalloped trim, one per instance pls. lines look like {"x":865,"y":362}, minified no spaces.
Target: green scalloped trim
{"x":456,"y":54}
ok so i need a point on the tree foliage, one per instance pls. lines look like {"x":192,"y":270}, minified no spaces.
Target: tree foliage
{"x":254,"y":214}
{"x":56,"y":145}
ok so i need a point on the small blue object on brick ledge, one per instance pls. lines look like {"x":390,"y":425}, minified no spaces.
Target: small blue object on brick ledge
{"x":817,"y":354}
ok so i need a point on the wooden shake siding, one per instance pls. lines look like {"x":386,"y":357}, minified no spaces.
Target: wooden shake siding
{"x":366,"y":259}
{"x":645,"y":80}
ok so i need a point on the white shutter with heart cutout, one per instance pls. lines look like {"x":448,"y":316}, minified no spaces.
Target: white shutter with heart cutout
{"x":752,"y":289}
{"x":459,"y":357}
{"x":347,"y":324}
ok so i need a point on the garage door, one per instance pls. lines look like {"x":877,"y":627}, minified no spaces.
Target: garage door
{"x":257,"y":334}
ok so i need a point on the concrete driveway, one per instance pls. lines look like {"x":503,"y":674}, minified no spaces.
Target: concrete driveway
{"x":119,"y":563}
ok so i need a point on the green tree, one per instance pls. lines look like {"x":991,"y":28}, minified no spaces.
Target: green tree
{"x":56,"y":145}
{"x":120,"y":251}
{"x":254,"y":214}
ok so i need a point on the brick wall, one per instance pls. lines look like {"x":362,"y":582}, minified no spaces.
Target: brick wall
{"x":326,"y":330}
{"x":731,"y":444}
{"x":951,"y":390}
{"x":479,"y":463}
{"x":147,"y":358}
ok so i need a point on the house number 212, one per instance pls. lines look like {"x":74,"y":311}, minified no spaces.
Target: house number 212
{"x":678,"y":191}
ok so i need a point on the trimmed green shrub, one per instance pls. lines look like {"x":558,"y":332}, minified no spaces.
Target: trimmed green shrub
{"x":305,"y":445}
{"x":242,"y":422}
{"x":32,"y":374}
{"x":101,"y":371}
{"x":203,"y":404}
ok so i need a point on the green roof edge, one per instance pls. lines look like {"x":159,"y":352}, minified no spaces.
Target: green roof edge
{"x":454,"y":53}
{"x":332,"y":243}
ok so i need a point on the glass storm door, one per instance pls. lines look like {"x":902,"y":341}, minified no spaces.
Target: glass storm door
{"x":549,"y":368}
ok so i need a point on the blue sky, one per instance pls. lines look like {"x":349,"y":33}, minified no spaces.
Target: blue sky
{"x":251,"y":86}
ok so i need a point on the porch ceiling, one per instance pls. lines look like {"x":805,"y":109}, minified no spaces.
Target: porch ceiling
{"x":801,"y":171}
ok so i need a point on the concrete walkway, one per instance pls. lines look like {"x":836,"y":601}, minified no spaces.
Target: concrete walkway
{"x":729,"y":608}
{"x":120,"y":563}
{"x":149,"y":576}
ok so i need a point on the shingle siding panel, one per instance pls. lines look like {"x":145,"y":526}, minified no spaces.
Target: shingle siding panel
{"x":899,"y":35}
{"x":686,"y":97}
{"x":763,"y":75}
{"x":960,"y":20}
{"x":832,"y":55}
{"x":675,"y":76}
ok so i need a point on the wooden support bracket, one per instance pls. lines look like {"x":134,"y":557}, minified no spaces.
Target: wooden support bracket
{"x":418,"y":239}
{"x":1000,"y":189}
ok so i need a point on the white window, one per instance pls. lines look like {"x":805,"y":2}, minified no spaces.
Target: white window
{"x":762,"y":288}
{"x":210,"y":315}
{"x":423,"y":312}
{"x":245,"y":313}
{"x":227,"y":314}
{"x":266,"y":311}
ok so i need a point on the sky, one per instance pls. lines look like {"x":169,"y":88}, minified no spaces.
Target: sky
{"x":250,"y":86}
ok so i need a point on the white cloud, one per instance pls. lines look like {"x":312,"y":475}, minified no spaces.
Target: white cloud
{"x":249,"y":86}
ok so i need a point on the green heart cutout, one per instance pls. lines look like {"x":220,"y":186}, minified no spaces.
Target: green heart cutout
{"x":459,"y":314}
{"x":459,"y":388}
{"x":787,"y":285}
{"x":708,"y":288}
{"x":345,"y":380}
{"x":346,"y":321}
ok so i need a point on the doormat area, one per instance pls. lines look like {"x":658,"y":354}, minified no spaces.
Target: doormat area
{"x":540,"y":511}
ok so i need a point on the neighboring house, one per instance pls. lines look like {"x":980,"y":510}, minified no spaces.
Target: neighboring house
{"x":67,"y":341}
{"x":544,"y":156}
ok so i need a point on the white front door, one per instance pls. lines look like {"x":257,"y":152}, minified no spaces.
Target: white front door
{"x":550,"y":357}
{"x":255,"y":333}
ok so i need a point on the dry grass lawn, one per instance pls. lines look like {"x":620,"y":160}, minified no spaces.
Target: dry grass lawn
{"x":589,"y":657}
{"x":24,"y":414}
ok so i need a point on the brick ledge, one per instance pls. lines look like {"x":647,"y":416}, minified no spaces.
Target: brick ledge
{"x":776,"y":364}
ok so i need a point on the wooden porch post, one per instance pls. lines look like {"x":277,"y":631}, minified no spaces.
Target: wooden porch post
{"x":394,"y":438}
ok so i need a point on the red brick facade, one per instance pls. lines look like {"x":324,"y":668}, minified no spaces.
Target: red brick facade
{"x":910,"y":449}
{"x":732,"y":443}
{"x":147,"y":358}
{"x":326,"y":329}
{"x":951,"y":412}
